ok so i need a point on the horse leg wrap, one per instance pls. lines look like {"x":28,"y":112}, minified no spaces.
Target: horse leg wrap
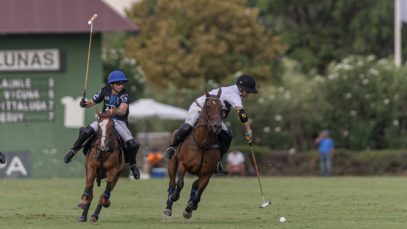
{"x":87,"y":191}
{"x":192,"y":196}
{"x":106,"y":195}
{"x":85,"y":194}
{"x":95,"y":215}
{"x":84,"y":215}
{"x":169,"y":203}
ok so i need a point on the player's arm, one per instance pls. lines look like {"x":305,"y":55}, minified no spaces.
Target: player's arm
{"x":245,"y":120}
{"x":121,"y":110}
{"x":97,"y":98}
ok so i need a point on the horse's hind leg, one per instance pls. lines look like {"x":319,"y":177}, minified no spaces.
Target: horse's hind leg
{"x":195,"y":197}
{"x":172,"y":170}
{"x":104,"y":199}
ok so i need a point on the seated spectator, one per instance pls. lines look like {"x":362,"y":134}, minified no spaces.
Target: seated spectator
{"x":236,"y":163}
{"x":154,"y":160}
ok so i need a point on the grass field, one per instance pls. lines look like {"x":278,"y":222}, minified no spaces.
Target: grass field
{"x":306,"y":202}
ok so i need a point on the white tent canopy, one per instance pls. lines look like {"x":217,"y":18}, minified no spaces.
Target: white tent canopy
{"x":146,"y":108}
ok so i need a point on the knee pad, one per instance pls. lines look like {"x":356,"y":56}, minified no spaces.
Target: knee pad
{"x":86,"y":131}
{"x":184,"y":130}
{"x":132,"y":145}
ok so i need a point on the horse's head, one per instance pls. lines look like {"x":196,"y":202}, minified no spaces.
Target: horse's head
{"x":213,"y":111}
{"x":105,"y":131}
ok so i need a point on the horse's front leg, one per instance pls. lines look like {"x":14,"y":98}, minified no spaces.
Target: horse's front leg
{"x":180,"y":182}
{"x":87,"y":195}
{"x":195,"y":197}
{"x":112,"y":177}
{"x":194,"y":191}
{"x":172,"y":170}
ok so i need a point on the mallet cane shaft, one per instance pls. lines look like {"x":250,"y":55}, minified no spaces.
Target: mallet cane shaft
{"x":90,"y":22}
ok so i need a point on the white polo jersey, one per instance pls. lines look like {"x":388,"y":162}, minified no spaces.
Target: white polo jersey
{"x":230,"y":95}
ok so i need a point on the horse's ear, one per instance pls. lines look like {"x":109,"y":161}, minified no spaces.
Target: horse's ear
{"x":219,"y":93}
{"x":206,"y":92}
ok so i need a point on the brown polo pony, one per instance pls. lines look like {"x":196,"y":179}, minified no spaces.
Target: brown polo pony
{"x":198,"y":155}
{"x":104,"y":160}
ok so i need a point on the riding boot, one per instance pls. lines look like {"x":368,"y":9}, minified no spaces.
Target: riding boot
{"x":225,"y":138}
{"x":84,"y":134}
{"x":184,"y":130}
{"x":2,"y":158}
{"x":132,"y":147}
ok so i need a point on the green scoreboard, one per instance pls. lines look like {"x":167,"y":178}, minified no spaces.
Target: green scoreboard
{"x":41,"y":83}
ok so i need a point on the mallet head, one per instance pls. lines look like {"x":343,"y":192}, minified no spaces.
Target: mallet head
{"x":265,"y":204}
{"x":92,"y":19}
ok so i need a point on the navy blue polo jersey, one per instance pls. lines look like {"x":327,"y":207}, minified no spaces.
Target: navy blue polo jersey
{"x":112,"y":101}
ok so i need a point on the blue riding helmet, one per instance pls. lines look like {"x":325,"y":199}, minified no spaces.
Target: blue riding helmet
{"x":117,"y":76}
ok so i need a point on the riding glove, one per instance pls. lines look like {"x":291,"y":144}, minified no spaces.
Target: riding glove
{"x":83,"y":103}
{"x":249,"y":136}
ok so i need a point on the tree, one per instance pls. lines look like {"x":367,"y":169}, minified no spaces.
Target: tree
{"x":113,"y":59}
{"x":186,"y":43}
{"x":318,"y":32}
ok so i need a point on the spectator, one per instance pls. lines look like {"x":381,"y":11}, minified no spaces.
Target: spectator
{"x":155,"y":159}
{"x":236,"y":163}
{"x":326,"y":151}
{"x":153,"y":162}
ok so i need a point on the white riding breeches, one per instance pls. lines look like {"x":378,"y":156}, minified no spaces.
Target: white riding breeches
{"x":193,"y":114}
{"x":120,"y":127}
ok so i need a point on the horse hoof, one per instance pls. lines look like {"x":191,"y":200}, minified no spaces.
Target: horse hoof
{"x":167,"y":212}
{"x":187,"y":215}
{"x":106,"y":204}
{"x":94,"y":218}
{"x":83,"y":219}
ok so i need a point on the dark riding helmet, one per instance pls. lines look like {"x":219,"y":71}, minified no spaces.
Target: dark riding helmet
{"x":117,"y":76}
{"x":247,"y":82}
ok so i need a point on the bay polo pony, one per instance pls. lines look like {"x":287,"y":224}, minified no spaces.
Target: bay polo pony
{"x":104,"y":160}
{"x":198,"y":155}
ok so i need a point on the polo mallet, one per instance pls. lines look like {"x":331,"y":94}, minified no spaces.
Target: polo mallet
{"x":90,"y":22}
{"x":264,"y":203}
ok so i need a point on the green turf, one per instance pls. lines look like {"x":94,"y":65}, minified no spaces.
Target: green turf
{"x":306,"y":202}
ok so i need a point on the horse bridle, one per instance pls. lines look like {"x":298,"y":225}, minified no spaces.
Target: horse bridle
{"x":108,"y":139}
{"x":207,"y":117}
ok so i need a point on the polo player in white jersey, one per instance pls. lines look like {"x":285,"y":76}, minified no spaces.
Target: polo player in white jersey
{"x":231,"y":98}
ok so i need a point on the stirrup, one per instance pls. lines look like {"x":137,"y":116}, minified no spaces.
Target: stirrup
{"x":220,"y":169}
{"x":169,"y":152}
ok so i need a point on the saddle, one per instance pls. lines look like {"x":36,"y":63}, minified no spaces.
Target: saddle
{"x":216,"y":145}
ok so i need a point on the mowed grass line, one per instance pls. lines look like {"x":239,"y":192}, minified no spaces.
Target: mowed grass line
{"x":306,"y":202}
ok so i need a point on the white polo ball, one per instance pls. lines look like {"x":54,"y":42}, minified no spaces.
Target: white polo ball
{"x":282,"y":219}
